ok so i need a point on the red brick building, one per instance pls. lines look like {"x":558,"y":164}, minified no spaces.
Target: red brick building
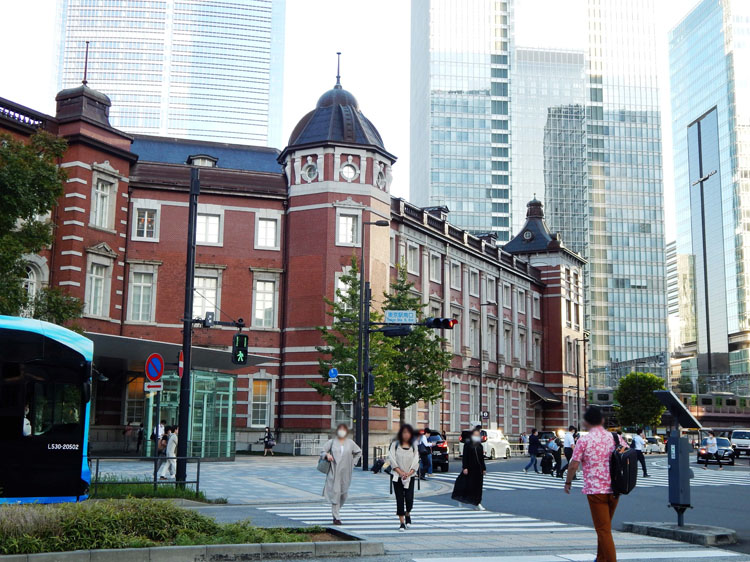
{"x":275,"y":232}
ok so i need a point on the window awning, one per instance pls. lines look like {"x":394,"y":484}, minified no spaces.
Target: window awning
{"x":544,"y":395}
{"x":136,"y":349}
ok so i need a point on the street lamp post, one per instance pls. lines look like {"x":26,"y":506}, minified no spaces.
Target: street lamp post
{"x":584,"y":339}
{"x":481,"y":362}
{"x":358,"y":409}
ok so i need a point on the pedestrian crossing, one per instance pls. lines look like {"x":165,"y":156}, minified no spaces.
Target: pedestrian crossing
{"x":379,"y":518}
{"x":505,"y":481}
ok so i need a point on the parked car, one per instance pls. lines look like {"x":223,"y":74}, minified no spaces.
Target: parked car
{"x":439,"y":452}
{"x":544,"y":437}
{"x":494,"y":443}
{"x":726,"y":453}
{"x":741,"y":442}
{"x":654,"y":445}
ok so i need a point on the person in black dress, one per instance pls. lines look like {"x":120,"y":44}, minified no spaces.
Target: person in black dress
{"x":268,"y":442}
{"x":468,"y":486}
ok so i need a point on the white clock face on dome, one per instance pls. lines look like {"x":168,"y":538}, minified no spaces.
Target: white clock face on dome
{"x":528,"y":235}
{"x":381,"y":180}
{"x":310,"y":172}
{"x":348,"y":172}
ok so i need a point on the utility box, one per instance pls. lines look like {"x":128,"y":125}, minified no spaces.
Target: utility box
{"x":680,"y":473}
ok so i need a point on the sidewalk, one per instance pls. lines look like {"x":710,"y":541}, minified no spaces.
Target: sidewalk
{"x":271,"y":480}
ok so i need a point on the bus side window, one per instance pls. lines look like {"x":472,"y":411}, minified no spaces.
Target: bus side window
{"x":57,"y":407}
{"x":11,"y":402}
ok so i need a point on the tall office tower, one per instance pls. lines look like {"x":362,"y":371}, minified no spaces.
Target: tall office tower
{"x":566,"y":175}
{"x":542,"y":79}
{"x":709,"y":56}
{"x":627,"y":312}
{"x":194,"y":69}
{"x":460,"y":138}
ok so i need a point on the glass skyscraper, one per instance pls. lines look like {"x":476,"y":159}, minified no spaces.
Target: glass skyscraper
{"x":542,"y":79}
{"x":627,"y":312}
{"x":709,"y":57}
{"x":460,"y":111}
{"x":195,"y":69}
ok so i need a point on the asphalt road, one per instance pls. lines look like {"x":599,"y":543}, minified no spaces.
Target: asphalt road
{"x":723,"y":506}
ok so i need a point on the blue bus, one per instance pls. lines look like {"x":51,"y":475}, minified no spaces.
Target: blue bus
{"x":45,"y":394}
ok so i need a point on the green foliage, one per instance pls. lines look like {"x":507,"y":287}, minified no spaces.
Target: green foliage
{"x":30,"y":183}
{"x":123,"y":524}
{"x":637,"y":405}
{"x":52,"y":304}
{"x":418,"y":360}
{"x":685,"y":384}
{"x":341,"y":343}
{"x":112,"y":486}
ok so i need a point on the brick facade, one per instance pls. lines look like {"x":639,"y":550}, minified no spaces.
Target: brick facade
{"x":273,"y":225}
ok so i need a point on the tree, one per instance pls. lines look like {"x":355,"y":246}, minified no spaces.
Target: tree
{"x":341,"y":343}
{"x":52,"y":304}
{"x":418,"y":359}
{"x":30,"y":183}
{"x":636,"y":403}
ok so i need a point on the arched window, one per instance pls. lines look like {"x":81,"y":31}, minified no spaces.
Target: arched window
{"x":32,"y":281}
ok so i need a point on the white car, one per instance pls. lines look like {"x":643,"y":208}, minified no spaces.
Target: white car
{"x":741,"y":442}
{"x":494,"y":443}
{"x":654,"y":445}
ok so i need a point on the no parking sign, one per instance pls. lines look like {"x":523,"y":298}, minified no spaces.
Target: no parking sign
{"x":154,"y":367}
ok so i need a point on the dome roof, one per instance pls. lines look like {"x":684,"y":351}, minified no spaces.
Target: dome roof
{"x":335,"y":119}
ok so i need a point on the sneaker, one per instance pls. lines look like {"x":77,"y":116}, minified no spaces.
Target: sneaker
{"x":647,"y":476}
{"x":408,"y":521}
{"x":526,"y":470}
{"x":480,"y":507}
{"x":402,"y":528}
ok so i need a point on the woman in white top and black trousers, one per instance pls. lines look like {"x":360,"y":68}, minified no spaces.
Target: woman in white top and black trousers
{"x":404,"y":458}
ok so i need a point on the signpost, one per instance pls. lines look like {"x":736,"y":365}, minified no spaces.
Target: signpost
{"x":153,"y":387}
{"x":485,"y":415}
{"x":400,"y":317}
{"x":333,"y":375}
{"x":180,"y":364}
{"x":154,"y":367}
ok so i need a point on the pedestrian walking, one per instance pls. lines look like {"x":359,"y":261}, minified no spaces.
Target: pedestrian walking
{"x":268,"y":442}
{"x":127,"y":433}
{"x":569,"y":442}
{"x":554,"y":446}
{"x":534,"y":446}
{"x":161,"y":447}
{"x":639,"y":444}
{"x":425,"y":453}
{"x":343,"y":454}
{"x":139,"y":439}
{"x":169,"y":468}
{"x":404,"y":459}
{"x":468,"y":486}
{"x":524,"y":443}
{"x":713,"y":449}
{"x":593,"y":452}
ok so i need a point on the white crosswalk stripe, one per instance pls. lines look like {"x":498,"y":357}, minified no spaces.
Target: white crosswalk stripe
{"x":376,"y":518}
{"x":504,"y":481}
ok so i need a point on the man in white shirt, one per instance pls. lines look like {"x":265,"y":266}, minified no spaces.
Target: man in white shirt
{"x":169,"y":468}
{"x":425,"y":453}
{"x":639,"y":444}
{"x":569,"y":442}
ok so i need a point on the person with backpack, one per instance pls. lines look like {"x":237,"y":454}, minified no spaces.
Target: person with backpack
{"x":269,"y":441}
{"x":534,"y":445}
{"x":594,"y":453}
{"x":554,"y":446}
{"x":404,"y":458}
{"x":569,"y":441}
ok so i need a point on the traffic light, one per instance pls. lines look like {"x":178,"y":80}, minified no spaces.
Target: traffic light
{"x":396,"y":331}
{"x":239,"y":349}
{"x":441,"y":323}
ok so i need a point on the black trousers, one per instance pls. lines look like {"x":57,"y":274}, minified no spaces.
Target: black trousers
{"x":404,"y":495}
{"x":642,"y":460}
{"x":557,"y":469}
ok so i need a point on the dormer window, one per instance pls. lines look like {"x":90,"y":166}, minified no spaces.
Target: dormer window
{"x":202,"y":160}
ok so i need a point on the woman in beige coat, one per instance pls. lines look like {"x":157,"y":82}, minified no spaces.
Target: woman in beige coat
{"x":404,"y":458}
{"x":343,"y":454}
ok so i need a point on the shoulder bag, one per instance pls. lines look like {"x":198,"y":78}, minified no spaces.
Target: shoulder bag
{"x":324,"y":465}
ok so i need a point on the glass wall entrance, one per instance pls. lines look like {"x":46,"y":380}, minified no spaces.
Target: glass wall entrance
{"x":211,"y":433}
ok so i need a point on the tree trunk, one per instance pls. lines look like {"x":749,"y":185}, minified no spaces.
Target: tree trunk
{"x":401,"y":416}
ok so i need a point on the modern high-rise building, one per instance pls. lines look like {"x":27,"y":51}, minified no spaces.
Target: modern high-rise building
{"x":566,"y":175}
{"x":542,"y":79}
{"x":627,"y":312}
{"x":460,"y":130}
{"x":193,"y":69}
{"x":709,"y":54}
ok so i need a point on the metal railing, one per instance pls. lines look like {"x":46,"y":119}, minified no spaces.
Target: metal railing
{"x":306,"y":447}
{"x":157,"y":461}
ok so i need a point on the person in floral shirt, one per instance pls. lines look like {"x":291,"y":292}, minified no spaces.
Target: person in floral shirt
{"x":592,"y":452}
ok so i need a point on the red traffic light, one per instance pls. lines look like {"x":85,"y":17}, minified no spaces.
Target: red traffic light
{"x":441,"y":323}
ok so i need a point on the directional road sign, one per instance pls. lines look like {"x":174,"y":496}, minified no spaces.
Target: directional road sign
{"x":400,"y":317}
{"x":154,"y":367}
{"x":333,"y":380}
{"x":153,"y":386}
{"x":333,"y":373}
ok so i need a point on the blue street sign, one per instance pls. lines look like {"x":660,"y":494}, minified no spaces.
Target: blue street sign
{"x":333,"y":380}
{"x":333,"y":373}
{"x":400,"y":317}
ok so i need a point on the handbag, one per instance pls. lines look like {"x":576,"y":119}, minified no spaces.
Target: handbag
{"x":324,"y":465}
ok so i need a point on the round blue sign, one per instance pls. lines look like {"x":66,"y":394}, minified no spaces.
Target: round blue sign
{"x":333,"y":373}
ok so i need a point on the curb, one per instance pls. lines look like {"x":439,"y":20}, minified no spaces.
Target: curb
{"x":214,"y":552}
{"x":704,"y":535}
